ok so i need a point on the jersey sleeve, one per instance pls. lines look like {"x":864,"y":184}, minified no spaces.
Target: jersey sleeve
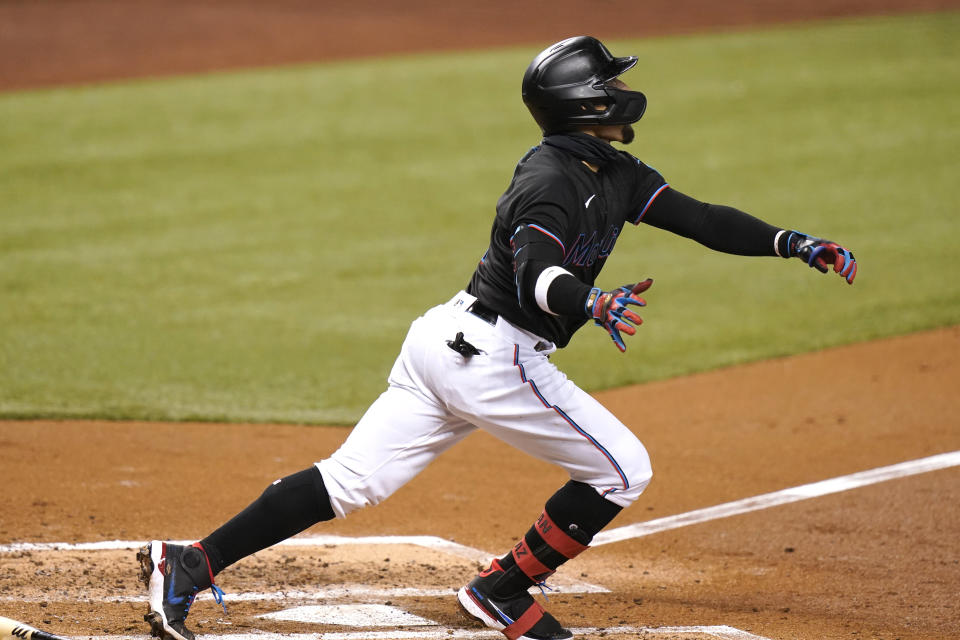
{"x":647,"y":185}
{"x":544,"y":206}
{"x":539,"y":228}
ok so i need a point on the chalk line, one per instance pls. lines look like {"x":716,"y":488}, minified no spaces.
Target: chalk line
{"x":716,"y":631}
{"x":346,"y":592}
{"x":429,"y":542}
{"x":784,"y":496}
{"x":561,"y":581}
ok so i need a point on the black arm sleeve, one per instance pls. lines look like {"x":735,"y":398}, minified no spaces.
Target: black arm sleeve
{"x":566,"y":295}
{"x":718,"y":227}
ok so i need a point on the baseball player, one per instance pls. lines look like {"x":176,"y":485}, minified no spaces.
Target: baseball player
{"x":481,"y":360}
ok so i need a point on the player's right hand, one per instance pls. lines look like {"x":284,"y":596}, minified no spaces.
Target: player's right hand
{"x":610,"y":310}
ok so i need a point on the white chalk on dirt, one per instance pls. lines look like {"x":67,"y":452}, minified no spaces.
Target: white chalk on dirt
{"x":351,"y":615}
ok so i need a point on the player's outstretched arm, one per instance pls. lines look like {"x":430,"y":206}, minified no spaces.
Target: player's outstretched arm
{"x":730,"y":230}
{"x":817,"y":253}
{"x":611,"y":310}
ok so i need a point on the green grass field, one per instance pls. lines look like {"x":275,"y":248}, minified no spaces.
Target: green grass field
{"x":252,"y":246}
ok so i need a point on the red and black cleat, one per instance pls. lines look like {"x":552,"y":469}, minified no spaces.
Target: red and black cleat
{"x":517,"y":615}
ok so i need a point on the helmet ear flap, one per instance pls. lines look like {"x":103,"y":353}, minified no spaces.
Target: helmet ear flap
{"x":625,"y":107}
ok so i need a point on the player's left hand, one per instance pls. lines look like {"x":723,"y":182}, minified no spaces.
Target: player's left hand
{"x":610,"y":310}
{"x":819,"y":253}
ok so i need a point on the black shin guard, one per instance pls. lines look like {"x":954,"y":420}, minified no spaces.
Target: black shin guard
{"x":287,"y":507}
{"x":570,"y":519}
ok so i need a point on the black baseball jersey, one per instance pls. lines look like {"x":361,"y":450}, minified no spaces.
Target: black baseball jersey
{"x":583,"y":211}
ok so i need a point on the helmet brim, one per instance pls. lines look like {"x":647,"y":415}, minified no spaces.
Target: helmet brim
{"x":618,"y":67}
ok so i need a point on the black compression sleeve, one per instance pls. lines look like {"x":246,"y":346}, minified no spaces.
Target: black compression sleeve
{"x":566,"y":295}
{"x":718,"y":227}
{"x":285,"y":508}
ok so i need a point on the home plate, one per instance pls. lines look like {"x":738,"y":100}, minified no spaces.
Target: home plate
{"x":351,"y":615}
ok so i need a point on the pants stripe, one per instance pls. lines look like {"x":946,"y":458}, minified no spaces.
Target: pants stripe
{"x":570,"y":421}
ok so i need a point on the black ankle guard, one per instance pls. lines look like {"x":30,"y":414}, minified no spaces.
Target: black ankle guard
{"x":570,"y":519}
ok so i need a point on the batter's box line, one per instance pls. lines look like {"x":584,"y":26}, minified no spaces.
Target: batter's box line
{"x":785,"y":496}
{"x":429,"y":542}
{"x":561,"y":582}
{"x":713,"y":631}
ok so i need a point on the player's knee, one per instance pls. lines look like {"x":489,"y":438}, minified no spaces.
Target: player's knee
{"x":348,"y":489}
{"x":299,"y":500}
{"x":635,"y":474}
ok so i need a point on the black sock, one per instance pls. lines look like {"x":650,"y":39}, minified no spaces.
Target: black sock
{"x":287,"y":507}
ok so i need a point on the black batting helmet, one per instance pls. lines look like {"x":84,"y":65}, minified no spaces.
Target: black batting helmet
{"x":565,"y":84}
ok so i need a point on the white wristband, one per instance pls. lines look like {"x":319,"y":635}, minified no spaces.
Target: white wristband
{"x":546,"y":278}
{"x":776,"y":242}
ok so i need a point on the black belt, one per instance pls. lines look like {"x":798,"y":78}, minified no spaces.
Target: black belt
{"x":490,"y":316}
{"x":483,"y":312}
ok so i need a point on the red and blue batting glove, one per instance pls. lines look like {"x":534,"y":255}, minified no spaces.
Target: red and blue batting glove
{"x":818,"y":253}
{"x":610,"y":310}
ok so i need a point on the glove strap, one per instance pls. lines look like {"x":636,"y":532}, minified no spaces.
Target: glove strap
{"x":787,"y":242}
{"x":591,"y":301}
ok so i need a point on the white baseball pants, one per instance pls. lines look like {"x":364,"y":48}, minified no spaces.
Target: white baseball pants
{"x":436,"y":397}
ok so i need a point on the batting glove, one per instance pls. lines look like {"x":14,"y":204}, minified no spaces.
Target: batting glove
{"x":818,"y":253}
{"x":610,"y":310}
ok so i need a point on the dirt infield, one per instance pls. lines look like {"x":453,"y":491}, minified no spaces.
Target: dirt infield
{"x":875,"y":562}
{"x":50,"y":42}
{"x":881,"y":561}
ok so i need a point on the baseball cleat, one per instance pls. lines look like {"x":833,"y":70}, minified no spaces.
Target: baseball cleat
{"x":174,"y":575}
{"x":517,"y":616}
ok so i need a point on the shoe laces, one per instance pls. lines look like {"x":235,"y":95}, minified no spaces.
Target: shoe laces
{"x":217,"y":591}
{"x":218,"y":596}
{"x":542,"y":585}
{"x":190,"y":599}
